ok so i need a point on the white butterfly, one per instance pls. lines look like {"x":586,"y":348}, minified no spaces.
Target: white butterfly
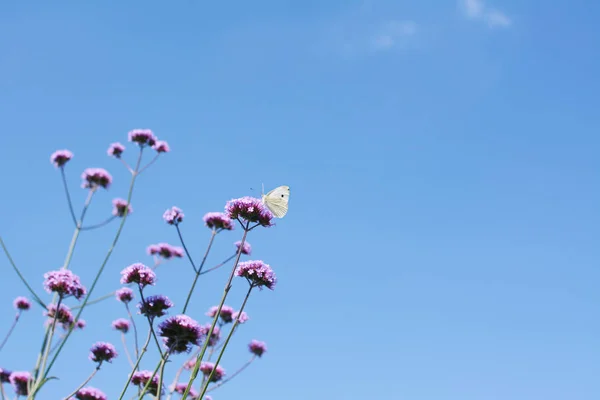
{"x":277,"y":200}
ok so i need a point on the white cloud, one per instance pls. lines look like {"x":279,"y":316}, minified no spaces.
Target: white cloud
{"x":477,"y":10}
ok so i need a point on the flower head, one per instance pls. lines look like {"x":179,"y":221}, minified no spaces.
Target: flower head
{"x":96,"y":177}
{"x":180,"y":388}
{"x":124,"y":295}
{"x":120,"y":206}
{"x":218,"y":220}
{"x":258,"y":273}
{"x":22,"y":303}
{"x":173,"y":216}
{"x":138,"y":273}
{"x":65,"y":283}
{"x":20,"y":381}
{"x":257,"y":348}
{"x":241,"y":317}
{"x":161,"y":146}
{"x":5,"y":375}
{"x":142,"y":137}
{"x":63,"y":316}
{"x":60,"y":158}
{"x":121,"y":325}
{"x":208,"y":367}
{"x":115,"y":150}
{"x":165,"y":250}
{"x":102,"y":351}
{"x":246,"y":248}
{"x":250,"y":209}
{"x":215,"y":335}
{"x":80,"y":324}
{"x":226,"y":313}
{"x":180,"y":333}
{"x":90,"y":393}
{"x":155,"y":306}
{"x":140,"y":378}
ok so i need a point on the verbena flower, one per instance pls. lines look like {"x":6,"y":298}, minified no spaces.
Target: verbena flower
{"x":218,"y":220}
{"x":155,"y":306}
{"x":161,"y":146}
{"x":140,"y":378}
{"x":257,"y":272}
{"x":96,"y":177}
{"x":242,"y":318}
{"x":173,"y":216}
{"x":120,"y":206}
{"x":207,"y":368}
{"x":80,"y":324}
{"x":22,"y":303}
{"x":65,"y":283}
{"x":257,"y":348}
{"x":102,"y":351}
{"x":214,"y":337}
{"x":142,"y":137}
{"x":90,"y":393}
{"x":180,"y":333}
{"x":250,"y":209}
{"x":121,"y":324}
{"x":165,"y":250}
{"x":115,"y":150}
{"x":4,"y":375}
{"x":20,"y":381}
{"x":180,"y":388}
{"x":246,"y":248}
{"x":190,"y":364}
{"x":225,"y":314}
{"x":60,"y":157}
{"x":63,"y":316}
{"x":138,"y":273}
{"x":124,"y":295}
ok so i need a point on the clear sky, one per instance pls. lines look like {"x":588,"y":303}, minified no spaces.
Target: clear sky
{"x":442,"y":238}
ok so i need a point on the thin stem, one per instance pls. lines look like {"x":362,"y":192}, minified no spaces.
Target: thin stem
{"x":74,"y":392}
{"x":205,"y":387}
{"x":236,"y":373}
{"x":101,"y":224}
{"x":218,"y":265}
{"x":150,"y":163}
{"x":147,"y":385}
{"x":179,"y":372}
{"x":12,"y":262}
{"x":151,"y":323}
{"x":124,"y":341}
{"x":49,"y":344}
{"x":194,"y":374}
{"x":10,"y":331}
{"x":135,"y":331}
{"x":162,"y":373}
{"x":66,"y":186}
{"x":189,"y":296}
{"x":185,"y":247}
{"x":137,"y":363}
{"x":98,"y":300}
{"x":126,"y":165}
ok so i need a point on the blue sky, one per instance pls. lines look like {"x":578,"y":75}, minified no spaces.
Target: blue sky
{"x":442,"y":238}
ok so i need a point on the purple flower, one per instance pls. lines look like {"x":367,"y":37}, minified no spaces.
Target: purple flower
{"x":241,"y":317}
{"x":173,"y":216}
{"x":22,"y":303}
{"x":161,"y":146}
{"x":80,"y":324}
{"x":218,"y":220}
{"x":124,"y":295}
{"x":207,"y":369}
{"x":140,"y":378}
{"x":102,"y":351}
{"x":121,"y":324}
{"x":65,"y":283}
{"x":225,"y":315}
{"x":120,"y":206}
{"x":63,"y":316}
{"x":115,"y":150}
{"x":90,"y":393}
{"x":180,"y":388}
{"x":258,"y":273}
{"x":20,"y":381}
{"x":180,"y":333}
{"x":250,"y":209}
{"x":94,"y":177}
{"x":214,"y":337}
{"x":257,"y":348}
{"x":142,"y":137}
{"x":246,"y":248}
{"x":4,"y":375}
{"x":138,"y":273}
{"x":165,"y":250}
{"x":154,"y":306}
{"x":61,"y":157}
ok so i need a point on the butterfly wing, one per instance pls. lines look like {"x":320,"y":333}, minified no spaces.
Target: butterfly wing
{"x":277,"y":200}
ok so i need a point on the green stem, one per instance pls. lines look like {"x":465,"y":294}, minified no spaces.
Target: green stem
{"x":64,"y":180}
{"x":137,"y":363}
{"x":74,"y":392}
{"x":124,"y":341}
{"x":236,"y":373}
{"x":189,"y":296}
{"x":99,"y":225}
{"x":12,"y":262}
{"x":162,"y":373}
{"x":10,"y":331}
{"x":98,"y":300}
{"x":135,"y":331}
{"x":218,"y":265}
{"x":48,"y":346}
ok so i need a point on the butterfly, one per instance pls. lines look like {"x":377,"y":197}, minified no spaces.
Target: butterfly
{"x":277,"y":200}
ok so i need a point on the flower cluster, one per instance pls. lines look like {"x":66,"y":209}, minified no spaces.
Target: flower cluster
{"x":115,"y":150}
{"x":124,"y":295}
{"x":96,"y":177}
{"x":208,"y":367}
{"x":161,"y":146}
{"x":165,"y":250}
{"x":173,"y":216}
{"x":180,"y":333}
{"x":257,"y":348}
{"x":155,"y":306}
{"x":60,"y":157}
{"x":141,"y":378}
{"x":138,"y":273}
{"x":90,"y":393}
{"x":218,"y":220}
{"x":63,"y":316}
{"x":65,"y":283}
{"x":102,"y":351}
{"x":120,"y":206}
{"x":22,"y":303}
{"x":5,"y":375}
{"x":250,"y":209}
{"x":20,"y":381}
{"x":121,"y":325}
{"x":226,"y":313}
{"x":241,"y":317}
{"x":246,"y":248}
{"x":214,"y":336}
{"x":258,"y":273}
{"x":142,"y":137}
{"x":180,"y":388}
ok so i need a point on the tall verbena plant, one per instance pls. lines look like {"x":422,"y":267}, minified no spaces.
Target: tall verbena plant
{"x":170,"y":331}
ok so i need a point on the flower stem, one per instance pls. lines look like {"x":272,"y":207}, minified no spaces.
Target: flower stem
{"x":12,"y":262}
{"x":194,"y":374}
{"x":185,"y":247}
{"x":189,"y":296}
{"x":101,"y":224}
{"x":236,"y":373}
{"x":218,"y":265}
{"x":135,"y":332}
{"x":124,"y":341}
{"x":66,"y":186}
{"x":98,"y":300}
{"x":48,"y":346}
{"x":162,"y":373}
{"x":150,"y":163}
{"x":137,"y":363}
{"x":179,"y":372}
{"x":74,"y":392}
{"x":10,"y":331}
